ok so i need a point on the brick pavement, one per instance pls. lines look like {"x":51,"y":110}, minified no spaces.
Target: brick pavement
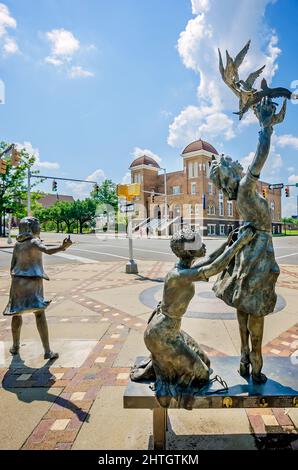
{"x":80,"y":386}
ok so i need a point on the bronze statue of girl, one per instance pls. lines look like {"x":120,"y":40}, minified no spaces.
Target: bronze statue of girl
{"x":27,"y":275}
{"x":178,"y":364}
{"x":248,"y":282}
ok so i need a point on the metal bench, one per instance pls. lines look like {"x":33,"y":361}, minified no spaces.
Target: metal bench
{"x":280,"y":391}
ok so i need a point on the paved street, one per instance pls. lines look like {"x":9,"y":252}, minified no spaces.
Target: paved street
{"x":88,"y":248}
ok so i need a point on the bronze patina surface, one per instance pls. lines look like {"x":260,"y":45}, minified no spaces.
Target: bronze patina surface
{"x":248,"y":282}
{"x":246,"y":262}
{"x":27,"y":275}
{"x":178,"y":364}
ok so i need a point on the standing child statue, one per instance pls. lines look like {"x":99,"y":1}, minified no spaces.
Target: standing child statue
{"x":26,"y":292}
{"x":248,"y":283}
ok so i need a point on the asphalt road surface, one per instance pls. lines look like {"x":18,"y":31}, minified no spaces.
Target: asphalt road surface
{"x":88,"y":248}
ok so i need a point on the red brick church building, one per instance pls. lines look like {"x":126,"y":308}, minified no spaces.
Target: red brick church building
{"x":192,"y":198}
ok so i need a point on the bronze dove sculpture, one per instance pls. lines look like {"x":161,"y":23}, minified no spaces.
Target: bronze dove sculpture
{"x":248,"y":96}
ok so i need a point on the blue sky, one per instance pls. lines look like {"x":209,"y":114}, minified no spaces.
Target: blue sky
{"x":89,"y":84}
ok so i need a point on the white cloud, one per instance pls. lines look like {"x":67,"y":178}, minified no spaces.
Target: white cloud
{"x":97,"y":175}
{"x":246,"y":161}
{"x":289,"y":206}
{"x":79,"y":72}
{"x":38,"y":163}
{"x":53,"y":61}
{"x":63,"y":43}
{"x":198,"y":6}
{"x":10,"y":46}
{"x":217,"y":24}
{"x":271,"y":171}
{"x":248,"y":119}
{"x":126,"y":178}
{"x":83,"y":190}
{"x":7,"y":22}
{"x":287,"y":140}
{"x":138,"y":152}
{"x":195,"y":122}
{"x":291,"y":169}
{"x":293,"y":179}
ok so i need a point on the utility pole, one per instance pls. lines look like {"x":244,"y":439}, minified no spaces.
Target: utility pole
{"x":131,"y":266}
{"x":128,"y":192}
{"x":166,"y":201}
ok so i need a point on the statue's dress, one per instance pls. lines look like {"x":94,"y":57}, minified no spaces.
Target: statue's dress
{"x":248,"y":283}
{"x":26,"y":292}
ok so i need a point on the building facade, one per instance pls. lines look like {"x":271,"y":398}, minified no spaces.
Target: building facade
{"x":191,"y":197}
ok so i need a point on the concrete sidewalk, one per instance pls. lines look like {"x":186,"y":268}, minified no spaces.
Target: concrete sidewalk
{"x":96,"y":320}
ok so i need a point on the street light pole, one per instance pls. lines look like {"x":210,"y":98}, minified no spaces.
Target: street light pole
{"x":131,"y":266}
{"x":166,"y":200}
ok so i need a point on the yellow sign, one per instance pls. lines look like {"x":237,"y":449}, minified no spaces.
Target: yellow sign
{"x":129,"y":191}
{"x":134,"y":190}
{"x":122,"y":190}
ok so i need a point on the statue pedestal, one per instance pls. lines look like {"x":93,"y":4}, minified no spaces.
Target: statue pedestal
{"x":280,"y":391}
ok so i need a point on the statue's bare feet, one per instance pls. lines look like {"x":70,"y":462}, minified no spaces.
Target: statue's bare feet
{"x":244,"y":369}
{"x":51,"y":355}
{"x":143,"y":373}
{"x":259,"y":378}
{"x":14,"y":350}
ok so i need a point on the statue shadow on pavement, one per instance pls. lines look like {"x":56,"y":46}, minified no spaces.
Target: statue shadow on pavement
{"x":37,"y":378}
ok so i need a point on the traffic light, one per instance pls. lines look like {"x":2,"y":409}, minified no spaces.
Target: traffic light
{"x":15,"y":157}
{"x":54,"y":186}
{"x":96,"y":188}
{"x":287,"y":191}
{"x":3,"y":165}
{"x":265,"y":192}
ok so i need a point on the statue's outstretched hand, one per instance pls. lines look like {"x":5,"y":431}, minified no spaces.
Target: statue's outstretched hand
{"x":265,"y":111}
{"x":66,"y":243}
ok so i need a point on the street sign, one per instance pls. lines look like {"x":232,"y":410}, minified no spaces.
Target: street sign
{"x":127,"y":208}
{"x":276,"y":186}
{"x":129,"y":191}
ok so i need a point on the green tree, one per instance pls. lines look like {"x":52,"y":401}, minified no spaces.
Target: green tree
{"x":66,"y":213}
{"x":84,"y":212}
{"x":106,"y":194}
{"x":289,"y":220}
{"x":13,"y":184}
